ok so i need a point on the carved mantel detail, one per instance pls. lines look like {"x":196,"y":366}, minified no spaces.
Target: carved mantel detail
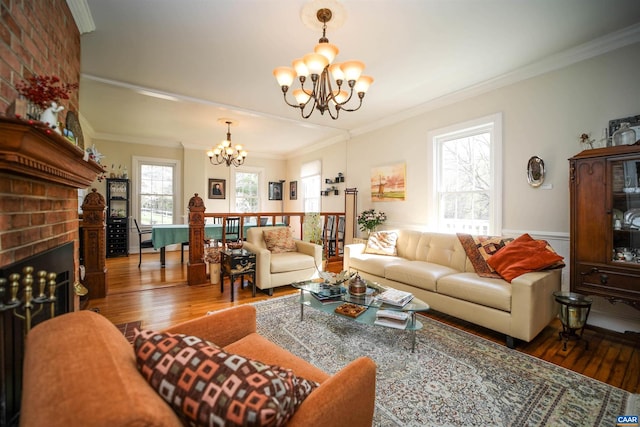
{"x":31,"y":149}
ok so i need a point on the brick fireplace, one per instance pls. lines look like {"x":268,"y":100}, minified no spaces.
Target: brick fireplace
{"x":40,"y":174}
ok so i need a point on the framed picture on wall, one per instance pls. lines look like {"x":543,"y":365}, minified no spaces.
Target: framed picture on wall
{"x":293,"y":190}
{"x":275,"y":190}
{"x":217,"y":188}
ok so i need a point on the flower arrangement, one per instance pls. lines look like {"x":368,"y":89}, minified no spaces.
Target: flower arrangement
{"x":368,"y":220}
{"x":42,"y":90}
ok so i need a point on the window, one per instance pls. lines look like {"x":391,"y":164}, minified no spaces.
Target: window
{"x":466,"y":187}
{"x":246,"y":191}
{"x":310,"y":177}
{"x":156,"y":191}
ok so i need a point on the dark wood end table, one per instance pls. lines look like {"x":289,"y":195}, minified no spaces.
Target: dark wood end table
{"x":236,"y":263}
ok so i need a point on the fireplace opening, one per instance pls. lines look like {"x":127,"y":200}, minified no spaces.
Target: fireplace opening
{"x":14,"y":316}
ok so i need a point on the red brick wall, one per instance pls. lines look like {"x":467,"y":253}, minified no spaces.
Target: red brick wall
{"x":37,"y":37}
{"x":35,"y":217}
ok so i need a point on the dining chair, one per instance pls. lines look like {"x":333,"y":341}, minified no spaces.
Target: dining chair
{"x":232,"y":229}
{"x":142,"y":243}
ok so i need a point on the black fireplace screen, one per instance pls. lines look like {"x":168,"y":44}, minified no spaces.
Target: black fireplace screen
{"x":15,"y":313}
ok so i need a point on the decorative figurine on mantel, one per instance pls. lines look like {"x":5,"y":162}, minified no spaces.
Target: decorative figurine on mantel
{"x":43,"y":95}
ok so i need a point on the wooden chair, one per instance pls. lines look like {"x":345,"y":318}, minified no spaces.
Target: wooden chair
{"x":231,"y":229}
{"x":143,"y":243}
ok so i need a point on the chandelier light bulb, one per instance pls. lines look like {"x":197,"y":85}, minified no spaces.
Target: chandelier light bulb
{"x":336,"y":72}
{"x":300,"y":68}
{"x":328,"y":50}
{"x":352,"y":70}
{"x":301,"y":96}
{"x":284,"y":75}
{"x":315,"y":63}
{"x":363,"y":83}
{"x":341,"y":96}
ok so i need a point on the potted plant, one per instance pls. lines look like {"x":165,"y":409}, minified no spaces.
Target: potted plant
{"x":369,"y":220}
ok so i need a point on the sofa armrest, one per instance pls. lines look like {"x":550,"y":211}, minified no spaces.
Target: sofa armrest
{"x":351,"y":250}
{"x":345,"y":399}
{"x":221,"y":327}
{"x":532,"y":303}
{"x":310,"y":249}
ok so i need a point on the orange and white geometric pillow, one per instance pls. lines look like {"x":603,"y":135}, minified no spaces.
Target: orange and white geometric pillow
{"x":206,"y":385}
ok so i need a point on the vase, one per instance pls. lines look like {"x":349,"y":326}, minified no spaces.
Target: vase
{"x":624,"y":136}
{"x":33,"y":111}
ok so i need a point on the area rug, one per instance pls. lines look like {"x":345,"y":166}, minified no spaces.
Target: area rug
{"x":453,"y":379}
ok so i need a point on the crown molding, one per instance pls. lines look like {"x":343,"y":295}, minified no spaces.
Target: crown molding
{"x":610,"y":42}
{"x":82,"y":15}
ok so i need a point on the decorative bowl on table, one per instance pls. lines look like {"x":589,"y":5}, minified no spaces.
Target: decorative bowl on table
{"x":235,"y":245}
{"x":334,"y":279}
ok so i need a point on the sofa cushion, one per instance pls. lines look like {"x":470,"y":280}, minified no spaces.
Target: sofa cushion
{"x":417,"y":273}
{"x":480,"y":248}
{"x":382,"y":243}
{"x":206,"y":385}
{"x":279,"y":239}
{"x":372,"y":263}
{"x":524,"y":255}
{"x":495,"y":293}
{"x":290,"y":261}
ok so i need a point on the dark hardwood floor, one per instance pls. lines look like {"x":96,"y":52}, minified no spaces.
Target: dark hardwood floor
{"x":160,"y":297}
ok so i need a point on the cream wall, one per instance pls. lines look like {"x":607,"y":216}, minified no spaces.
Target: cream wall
{"x":541,"y":116}
{"x":198,"y":170}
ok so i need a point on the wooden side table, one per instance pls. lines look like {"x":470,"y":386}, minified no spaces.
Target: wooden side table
{"x":236,"y":263}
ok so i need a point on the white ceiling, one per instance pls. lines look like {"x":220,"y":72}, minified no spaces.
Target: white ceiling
{"x":216,"y":58}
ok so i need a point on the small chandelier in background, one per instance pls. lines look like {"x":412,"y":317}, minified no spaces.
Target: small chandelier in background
{"x":224,"y":152}
{"x":324,"y":95}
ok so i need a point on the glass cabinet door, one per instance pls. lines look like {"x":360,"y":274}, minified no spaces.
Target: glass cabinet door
{"x":626,"y":211}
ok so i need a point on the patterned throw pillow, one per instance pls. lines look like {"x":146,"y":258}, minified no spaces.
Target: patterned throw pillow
{"x":479,"y":249}
{"x":207,"y":386}
{"x":279,"y":240}
{"x":382,"y":243}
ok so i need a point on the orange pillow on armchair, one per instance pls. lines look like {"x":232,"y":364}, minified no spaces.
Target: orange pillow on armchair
{"x":524,"y":255}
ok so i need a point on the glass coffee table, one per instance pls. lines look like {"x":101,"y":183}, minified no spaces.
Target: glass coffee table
{"x":333,"y":296}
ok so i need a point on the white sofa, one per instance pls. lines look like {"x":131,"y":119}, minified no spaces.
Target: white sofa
{"x":435,"y":268}
{"x":279,"y":269}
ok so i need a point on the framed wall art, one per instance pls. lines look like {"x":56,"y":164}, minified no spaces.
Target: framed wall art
{"x":275,"y":190}
{"x":293,"y":190}
{"x":388,"y":183}
{"x":217,"y":188}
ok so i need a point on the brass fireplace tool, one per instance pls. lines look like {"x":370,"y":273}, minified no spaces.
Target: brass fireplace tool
{"x":44,"y":280}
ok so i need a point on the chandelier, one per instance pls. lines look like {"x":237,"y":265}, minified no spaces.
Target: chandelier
{"x":327,"y":92}
{"x":224,"y":152}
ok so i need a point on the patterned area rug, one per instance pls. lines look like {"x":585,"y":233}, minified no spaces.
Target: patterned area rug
{"x":128,"y":329}
{"x":453,"y":378}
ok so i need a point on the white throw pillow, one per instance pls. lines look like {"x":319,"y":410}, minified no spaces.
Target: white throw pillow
{"x":382,"y":243}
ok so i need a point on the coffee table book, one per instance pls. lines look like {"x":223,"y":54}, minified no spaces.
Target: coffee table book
{"x":395,"y":297}
{"x":392,"y":319}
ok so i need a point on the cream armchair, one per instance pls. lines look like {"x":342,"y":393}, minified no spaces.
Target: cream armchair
{"x":282,"y":268}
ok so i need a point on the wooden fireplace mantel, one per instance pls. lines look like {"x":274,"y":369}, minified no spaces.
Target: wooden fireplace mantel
{"x":36,"y":151}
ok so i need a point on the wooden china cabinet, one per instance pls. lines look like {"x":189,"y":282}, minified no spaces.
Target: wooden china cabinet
{"x":605,"y":223}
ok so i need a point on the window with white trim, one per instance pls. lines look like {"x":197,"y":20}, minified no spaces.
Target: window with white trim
{"x":246,"y":191}
{"x":310,"y":177}
{"x":467,"y":182}
{"x":156,"y":192}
